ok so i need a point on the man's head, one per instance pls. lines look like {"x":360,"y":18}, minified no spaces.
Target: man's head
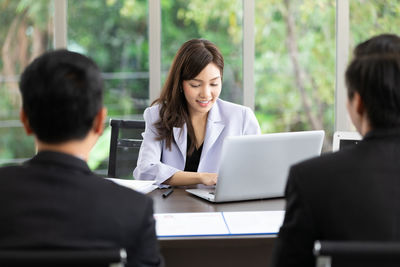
{"x":62,"y":94}
{"x":373,"y":83}
{"x":383,"y":43}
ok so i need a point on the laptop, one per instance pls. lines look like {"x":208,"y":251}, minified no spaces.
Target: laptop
{"x":257,"y":166}
{"x":345,"y":139}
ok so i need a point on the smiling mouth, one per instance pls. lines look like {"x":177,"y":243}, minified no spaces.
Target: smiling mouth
{"x":204,"y":101}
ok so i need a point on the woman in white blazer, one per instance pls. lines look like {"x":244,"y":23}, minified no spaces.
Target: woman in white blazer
{"x":187,"y":124}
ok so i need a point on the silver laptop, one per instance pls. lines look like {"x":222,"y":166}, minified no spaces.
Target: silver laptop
{"x":257,"y":166}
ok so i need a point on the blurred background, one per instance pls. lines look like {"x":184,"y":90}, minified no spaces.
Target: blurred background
{"x":294,"y":68}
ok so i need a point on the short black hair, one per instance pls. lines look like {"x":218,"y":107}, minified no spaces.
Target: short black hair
{"x":62,"y":91}
{"x":383,"y":43}
{"x":375,"y":74}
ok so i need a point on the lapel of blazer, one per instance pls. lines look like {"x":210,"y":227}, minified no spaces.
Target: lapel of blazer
{"x":180,"y":139}
{"x":214,"y":127}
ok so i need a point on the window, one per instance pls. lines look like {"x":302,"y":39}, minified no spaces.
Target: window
{"x":295,"y":66}
{"x":26,"y":31}
{"x":371,"y":17}
{"x":294,"y":63}
{"x":114,"y":33}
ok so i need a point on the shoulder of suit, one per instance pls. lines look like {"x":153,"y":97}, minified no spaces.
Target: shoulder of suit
{"x":152,"y":112}
{"x":123,"y":193}
{"x":6,"y":169}
{"x":153,"y":109}
{"x":225,"y":106}
{"x":126,"y":201}
{"x":326,"y":163}
{"x":7,"y":173}
{"x":231,"y":105}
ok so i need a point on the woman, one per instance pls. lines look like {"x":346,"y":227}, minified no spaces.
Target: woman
{"x":186,"y":125}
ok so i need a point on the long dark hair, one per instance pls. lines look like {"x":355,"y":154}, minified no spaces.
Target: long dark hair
{"x":193,"y":56}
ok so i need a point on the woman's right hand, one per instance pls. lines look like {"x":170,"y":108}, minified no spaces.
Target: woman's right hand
{"x":207,"y":178}
{"x":191,"y":178}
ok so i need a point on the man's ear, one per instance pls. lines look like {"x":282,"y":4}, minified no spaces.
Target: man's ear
{"x":98,"y":126}
{"x":359,"y":104}
{"x":25,"y":122}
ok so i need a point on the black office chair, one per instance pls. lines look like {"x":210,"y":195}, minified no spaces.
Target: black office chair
{"x":126,"y":139}
{"x":67,"y":257}
{"x":357,"y":253}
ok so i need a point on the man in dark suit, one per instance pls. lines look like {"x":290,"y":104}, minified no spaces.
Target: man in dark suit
{"x":53,"y":200}
{"x":352,"y":194}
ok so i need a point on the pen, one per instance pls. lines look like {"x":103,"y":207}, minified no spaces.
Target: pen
{"x":167,"y":193}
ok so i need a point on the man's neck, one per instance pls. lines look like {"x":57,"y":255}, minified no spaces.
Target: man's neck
{"x":365,"y":126}
{"x":75,"y":148}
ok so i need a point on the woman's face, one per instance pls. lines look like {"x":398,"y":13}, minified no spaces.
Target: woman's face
{"x":202,"y":91}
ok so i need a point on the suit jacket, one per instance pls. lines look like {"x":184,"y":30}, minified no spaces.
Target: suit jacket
{"x":156,"y":162}
{"x":54,"y":200}
{"x":353,"y":194}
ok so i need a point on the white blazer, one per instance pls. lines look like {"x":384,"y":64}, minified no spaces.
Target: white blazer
{"x":156,"y":162}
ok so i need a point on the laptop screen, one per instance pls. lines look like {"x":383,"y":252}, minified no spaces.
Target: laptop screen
{"x":347,"y":143}
{"x":343,"y":140}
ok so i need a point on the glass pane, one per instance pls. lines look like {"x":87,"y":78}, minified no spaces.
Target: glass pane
{"x":219,"y":21}
{"x":295,"y":66}
{"x":371,"y":17}
{"x":26,"y":31}
{"x":114,"y":34}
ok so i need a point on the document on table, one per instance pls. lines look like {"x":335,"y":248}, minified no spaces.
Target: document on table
{"x":190,"y":224}
{"x":141,"y":186}
{"x":254,"y":222}
{"x":218,"y":223}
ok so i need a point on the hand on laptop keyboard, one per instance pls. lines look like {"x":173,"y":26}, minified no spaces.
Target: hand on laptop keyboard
{"x":208,"y":178}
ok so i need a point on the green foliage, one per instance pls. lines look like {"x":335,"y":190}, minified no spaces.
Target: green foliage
{"x":101,"y":150}
{"x":371,"y":18}
{"x":277,"y":92}
{"x":15,"y":144}
{"x":38,"y":11}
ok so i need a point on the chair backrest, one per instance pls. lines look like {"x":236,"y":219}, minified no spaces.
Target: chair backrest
{"x":65,"y":257}
{"x":126,"y":139}
{"x":357,"y":253}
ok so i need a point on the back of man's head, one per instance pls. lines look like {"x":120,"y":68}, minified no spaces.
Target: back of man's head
{"x":62,"y":92}
{"x":383,"y":43}
{"x":374,"y":74}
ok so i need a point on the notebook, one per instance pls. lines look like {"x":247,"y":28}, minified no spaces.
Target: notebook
{"x":345,"y":139}
{"x":256,"y":166}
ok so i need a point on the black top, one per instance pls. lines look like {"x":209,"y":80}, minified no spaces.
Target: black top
{"x":192,"y":161}
{"x":353,"y":194}
{"x":54,"y":200}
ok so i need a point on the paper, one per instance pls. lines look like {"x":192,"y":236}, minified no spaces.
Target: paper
{"x":190,"y":224}
{"x":218,"y":223}
{"x":254,"y":222}
{"x":142,"y":186}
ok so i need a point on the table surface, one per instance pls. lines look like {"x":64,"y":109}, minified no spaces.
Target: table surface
{"x":229,"y":251}
{"x":182,"y":201}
